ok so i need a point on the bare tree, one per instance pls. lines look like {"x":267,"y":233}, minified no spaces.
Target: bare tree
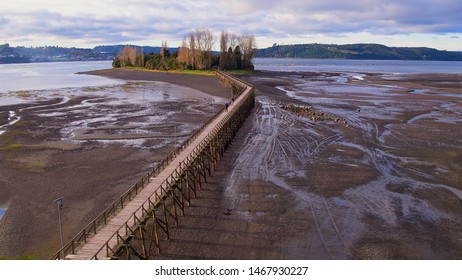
{"x":200,"y":47}
{"x":192,"y":50}
{"x":233,"y":41}
{"x":183,"y":52}
{"x":199,"y":55}
{"x":247,"y":44}
{"x":231,"y":61}
{"x":231,"y":56}
{"x":163,"y":50}
{"x":224,"y":60}
{"x":128,"y":55}
{"x":132,"y":54}
{"x":236,"y":52}
{"x":206,"y":44}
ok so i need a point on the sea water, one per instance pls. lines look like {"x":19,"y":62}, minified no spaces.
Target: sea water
{"x":51,"y":75}
{"x":358,"y":66}
{"x":54,"y":75}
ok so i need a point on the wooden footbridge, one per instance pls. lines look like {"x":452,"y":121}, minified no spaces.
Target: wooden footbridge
{"x":134,"y":225}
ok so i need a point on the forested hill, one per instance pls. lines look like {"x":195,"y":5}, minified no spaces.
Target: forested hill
{"x":358,"y":51}
{"x":10,"y":54}
{"x":351,"y":51}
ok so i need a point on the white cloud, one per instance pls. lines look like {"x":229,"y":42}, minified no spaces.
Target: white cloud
{"x":131,"y":21}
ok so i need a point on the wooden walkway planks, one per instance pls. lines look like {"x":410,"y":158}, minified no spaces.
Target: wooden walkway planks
{"x":106,"y":234}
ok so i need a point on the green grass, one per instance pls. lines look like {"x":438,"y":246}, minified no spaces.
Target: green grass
{"x":239,"y":72}
{"x":35,"y":165}
{"x":8,"y":143}
{"x":42,"y":254}
{"x":12,"y":148}
{"x":97,"y":88}
{"x":31,"y":256}
{"x":189,"y":72}
{"x":23,"y":94}
{"x":197,"y":72}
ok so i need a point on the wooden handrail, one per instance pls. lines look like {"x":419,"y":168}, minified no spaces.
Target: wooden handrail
{"x":119,"y":204}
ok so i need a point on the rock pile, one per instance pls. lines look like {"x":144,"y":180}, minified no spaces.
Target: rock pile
{"x":313,"y":114}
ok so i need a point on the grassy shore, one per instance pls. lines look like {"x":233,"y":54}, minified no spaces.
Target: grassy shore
{"x":189,"y":71}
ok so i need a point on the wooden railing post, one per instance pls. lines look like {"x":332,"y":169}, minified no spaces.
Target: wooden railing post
{"x":202,"y":160}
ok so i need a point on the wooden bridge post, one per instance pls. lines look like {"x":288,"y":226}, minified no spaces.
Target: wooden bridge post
{"x":187,"y":178}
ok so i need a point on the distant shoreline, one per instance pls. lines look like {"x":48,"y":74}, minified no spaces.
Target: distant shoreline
{"x":358,"y":51}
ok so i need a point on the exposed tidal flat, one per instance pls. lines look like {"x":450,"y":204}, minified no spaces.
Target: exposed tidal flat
{"x":387,"y":186}
{"x":88,"y":144}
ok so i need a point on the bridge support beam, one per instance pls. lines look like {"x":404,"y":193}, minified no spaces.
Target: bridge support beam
{"x":141,"y":235}
{"x":157,"y":225}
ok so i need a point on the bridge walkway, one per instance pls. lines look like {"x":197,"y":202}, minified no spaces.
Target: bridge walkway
{"x":108,"y":235}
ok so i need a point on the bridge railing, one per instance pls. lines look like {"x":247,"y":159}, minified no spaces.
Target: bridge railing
{"x":128,"y":227}
{"x":120,"y":203}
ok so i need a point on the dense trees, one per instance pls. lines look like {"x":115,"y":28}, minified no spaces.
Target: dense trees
{"x":358,"y":51}
{"x":132,"y":56}
{"x":195,"y":52}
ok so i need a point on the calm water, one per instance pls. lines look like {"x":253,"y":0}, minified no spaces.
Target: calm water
{"x":358,"y":66}
{"x":54,"y":75}
{"x":51,"y":75}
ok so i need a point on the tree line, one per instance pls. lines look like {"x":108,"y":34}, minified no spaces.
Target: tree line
{"x":194,"y":53}
{"x":358,"y":51}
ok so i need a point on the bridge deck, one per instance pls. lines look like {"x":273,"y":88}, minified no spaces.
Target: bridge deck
{"x":106,"y":234}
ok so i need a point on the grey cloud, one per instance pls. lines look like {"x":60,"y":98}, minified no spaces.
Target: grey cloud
{"x":141,"y":20}
{"x":3,"y":21}
{"x":398,"y":17}
{"x":45,"y":23}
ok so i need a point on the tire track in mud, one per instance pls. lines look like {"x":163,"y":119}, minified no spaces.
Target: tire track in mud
{"x":282,"y":144}
{"x":320,"y":232}
{"x":277,"y":146}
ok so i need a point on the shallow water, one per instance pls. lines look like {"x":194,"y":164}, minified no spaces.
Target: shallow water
{"x":12,"y":119}
{"x":51,"y":75}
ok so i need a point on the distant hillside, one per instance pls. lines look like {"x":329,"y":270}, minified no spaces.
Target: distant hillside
{"x":358,"y":51}
{"x":54,"y":53}
{"x":8,"y":55}
{"x":116,"y":49}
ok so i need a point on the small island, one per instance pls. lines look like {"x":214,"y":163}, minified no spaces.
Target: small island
{"x":195,"y":53}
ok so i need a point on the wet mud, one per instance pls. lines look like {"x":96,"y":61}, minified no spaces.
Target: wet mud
{"x":388,"y":186}
{"x":89,"y":145}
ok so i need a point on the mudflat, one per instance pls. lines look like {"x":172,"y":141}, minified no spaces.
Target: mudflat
{"x":90,"y":145}
{"x":385,"y":184}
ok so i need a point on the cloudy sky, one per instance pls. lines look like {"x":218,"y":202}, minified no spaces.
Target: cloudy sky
{"x":87,"y":23}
